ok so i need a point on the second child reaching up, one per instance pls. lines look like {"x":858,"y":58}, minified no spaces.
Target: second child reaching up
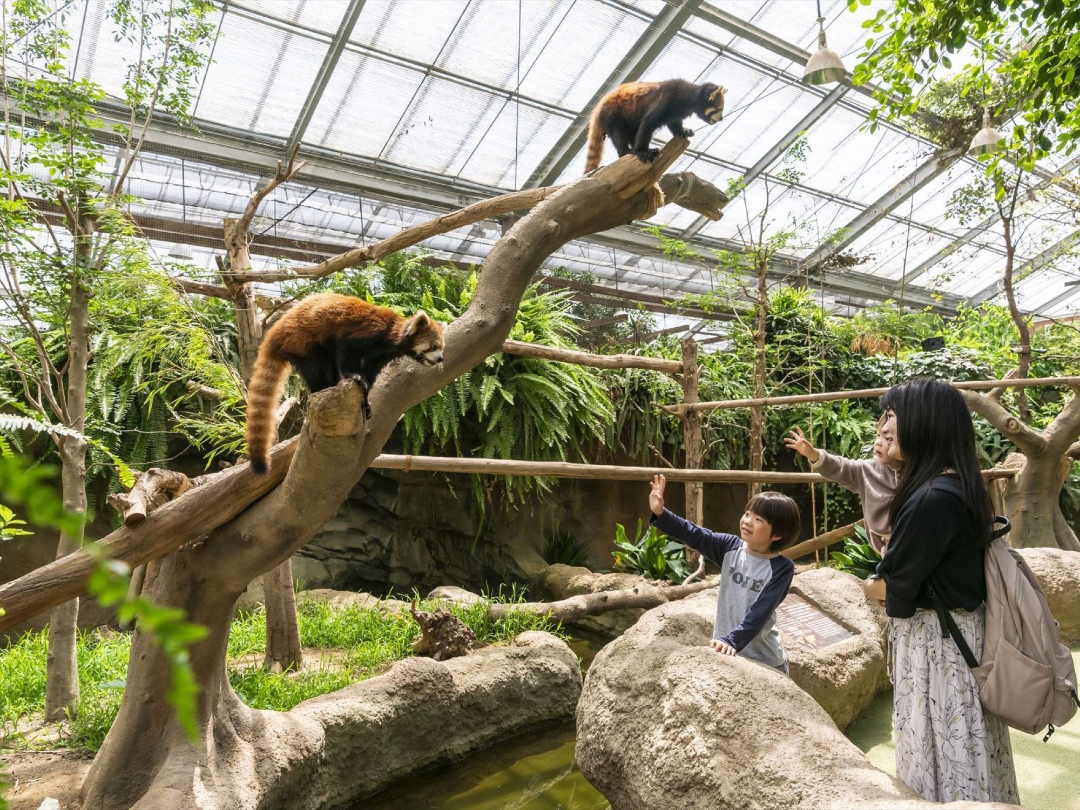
{"x":873,"y":479}
{"x":754,"y":578}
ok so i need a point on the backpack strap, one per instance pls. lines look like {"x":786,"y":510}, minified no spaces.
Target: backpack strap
{"x":949,"y":629}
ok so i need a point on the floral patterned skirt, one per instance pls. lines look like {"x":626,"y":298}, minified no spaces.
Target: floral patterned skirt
{"x":947,"y":748}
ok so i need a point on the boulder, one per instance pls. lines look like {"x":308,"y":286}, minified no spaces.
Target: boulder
{"x":348,"y":599}
{"x":1058,"y":573}
{"x":845,"y":677}
{"x":338,"y":748}
{"x":665,"y":722}
{"x":454,"y":595}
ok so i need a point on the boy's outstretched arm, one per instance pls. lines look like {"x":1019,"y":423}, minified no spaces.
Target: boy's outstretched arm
{"x":771,"y":597}
{"x":712,"y":545}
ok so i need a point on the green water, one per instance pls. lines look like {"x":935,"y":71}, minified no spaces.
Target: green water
{"x":534,"y":771}
{"x":1045,"y":772}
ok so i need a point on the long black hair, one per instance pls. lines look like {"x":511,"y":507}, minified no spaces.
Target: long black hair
{"x":934,"y":431}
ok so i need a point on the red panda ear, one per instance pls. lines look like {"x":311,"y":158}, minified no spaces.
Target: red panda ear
{"x":413,"y":324}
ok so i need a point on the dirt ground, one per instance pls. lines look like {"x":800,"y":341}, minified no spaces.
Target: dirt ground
{"x":37,"y":775}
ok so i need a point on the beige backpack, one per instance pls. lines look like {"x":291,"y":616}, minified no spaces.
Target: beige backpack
{"x":1026,"y":676}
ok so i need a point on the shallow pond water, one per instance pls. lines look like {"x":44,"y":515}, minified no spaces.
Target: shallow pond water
{"x":533,"y":771}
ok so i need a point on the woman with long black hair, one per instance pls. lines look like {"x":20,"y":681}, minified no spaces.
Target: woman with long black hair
{"x":947,"y":748}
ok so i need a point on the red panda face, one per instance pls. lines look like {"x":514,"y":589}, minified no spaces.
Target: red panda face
{"x":425,"y":339}
{"x":714,"y":106}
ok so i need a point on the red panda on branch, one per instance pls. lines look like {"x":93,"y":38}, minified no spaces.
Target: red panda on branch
{"x":328,"y":338}
{"x":632,"y":112}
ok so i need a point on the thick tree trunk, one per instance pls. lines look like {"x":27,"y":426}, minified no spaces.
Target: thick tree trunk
{"x":1032,"y":502}
{"x":283,"y":650}
{"x":62,"y":679}
{"x":145,"y":761}
{"x":757,"y":412}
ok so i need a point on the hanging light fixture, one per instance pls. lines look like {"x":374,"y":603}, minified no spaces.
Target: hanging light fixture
{"x":825,"y":66}
{"x":987,"y":139}
{"x":179,"y":250}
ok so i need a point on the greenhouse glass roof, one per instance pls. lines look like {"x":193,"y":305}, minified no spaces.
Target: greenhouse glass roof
{"x":408,"y":108}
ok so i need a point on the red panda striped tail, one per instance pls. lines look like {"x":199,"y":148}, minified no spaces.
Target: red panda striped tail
{"x":264,"y":391}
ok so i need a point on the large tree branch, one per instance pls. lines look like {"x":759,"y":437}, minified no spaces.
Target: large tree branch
{"x":1060,"y":433}
{"x":615,"y":195}
{"x":283,"y":174}
{"x":265,"y":534}
{"x":1029,"y":441}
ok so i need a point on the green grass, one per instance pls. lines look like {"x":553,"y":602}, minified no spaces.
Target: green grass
{"x":368,"y":640}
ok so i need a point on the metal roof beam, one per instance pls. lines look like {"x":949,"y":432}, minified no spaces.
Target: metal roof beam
{"x":326,"y":70}
{"x":236,"y":150}
{"x":982,"y":227}
{"x":1048,"y":256}
{"x":884,"y":205}
{"x":1061,"y":298}
{"x":643,"y":53}
{"x":779,"y":148}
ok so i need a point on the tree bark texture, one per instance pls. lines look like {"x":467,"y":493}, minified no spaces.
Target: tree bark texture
{"x":283,"y":650}
{"x":1032,"y":497}
{"x":146,"y":762}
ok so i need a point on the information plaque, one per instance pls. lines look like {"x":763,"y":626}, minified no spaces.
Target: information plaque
{"x":802,"y":623}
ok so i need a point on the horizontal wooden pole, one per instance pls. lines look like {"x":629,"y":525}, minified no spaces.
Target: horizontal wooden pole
{"x":594,"y":360}
{"x":822,"y":540}
{"x":604,"y":472}
{"x":864,"y":393}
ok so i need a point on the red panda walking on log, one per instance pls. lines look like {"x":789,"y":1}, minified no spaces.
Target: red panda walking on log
{"x":632,"y":112}
{"x":328,"y":338}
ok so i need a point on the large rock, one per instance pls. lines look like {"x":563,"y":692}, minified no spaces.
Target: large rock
{"x":340,"y":747}
{"x":1058,"y":573}
{"x":665,"y":722}
{"x":845,"y":677}
{"x":563,"y":581}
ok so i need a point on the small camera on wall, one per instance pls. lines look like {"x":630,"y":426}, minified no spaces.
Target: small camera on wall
{"x":933,"y":344}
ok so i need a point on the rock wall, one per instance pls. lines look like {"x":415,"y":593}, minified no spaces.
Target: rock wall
{"x":404,"y":530}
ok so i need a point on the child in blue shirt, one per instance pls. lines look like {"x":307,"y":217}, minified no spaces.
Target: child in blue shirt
{"x":754,"y":578}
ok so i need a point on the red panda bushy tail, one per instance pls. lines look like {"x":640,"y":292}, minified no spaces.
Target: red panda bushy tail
{"x":596,"y":142}
{"x":264,"y":391}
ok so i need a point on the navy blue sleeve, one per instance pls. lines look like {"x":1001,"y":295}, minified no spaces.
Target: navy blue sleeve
{"x":925,"y":529}
{"x":712,"y":545}
{"x":783,"y":570}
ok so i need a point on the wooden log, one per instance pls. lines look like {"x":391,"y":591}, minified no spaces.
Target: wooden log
{"x":177,"y":522}
{"x":646,"y":595}
{"x":595,"y":360}
{"x":864,"y":393}
{"x":821,"y":541}
{"x":152,"y":489}
{"x":606,"y":472}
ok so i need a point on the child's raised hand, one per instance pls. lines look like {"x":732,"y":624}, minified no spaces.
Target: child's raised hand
{"x":656,"y":494}
{"x":798,"y":442}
